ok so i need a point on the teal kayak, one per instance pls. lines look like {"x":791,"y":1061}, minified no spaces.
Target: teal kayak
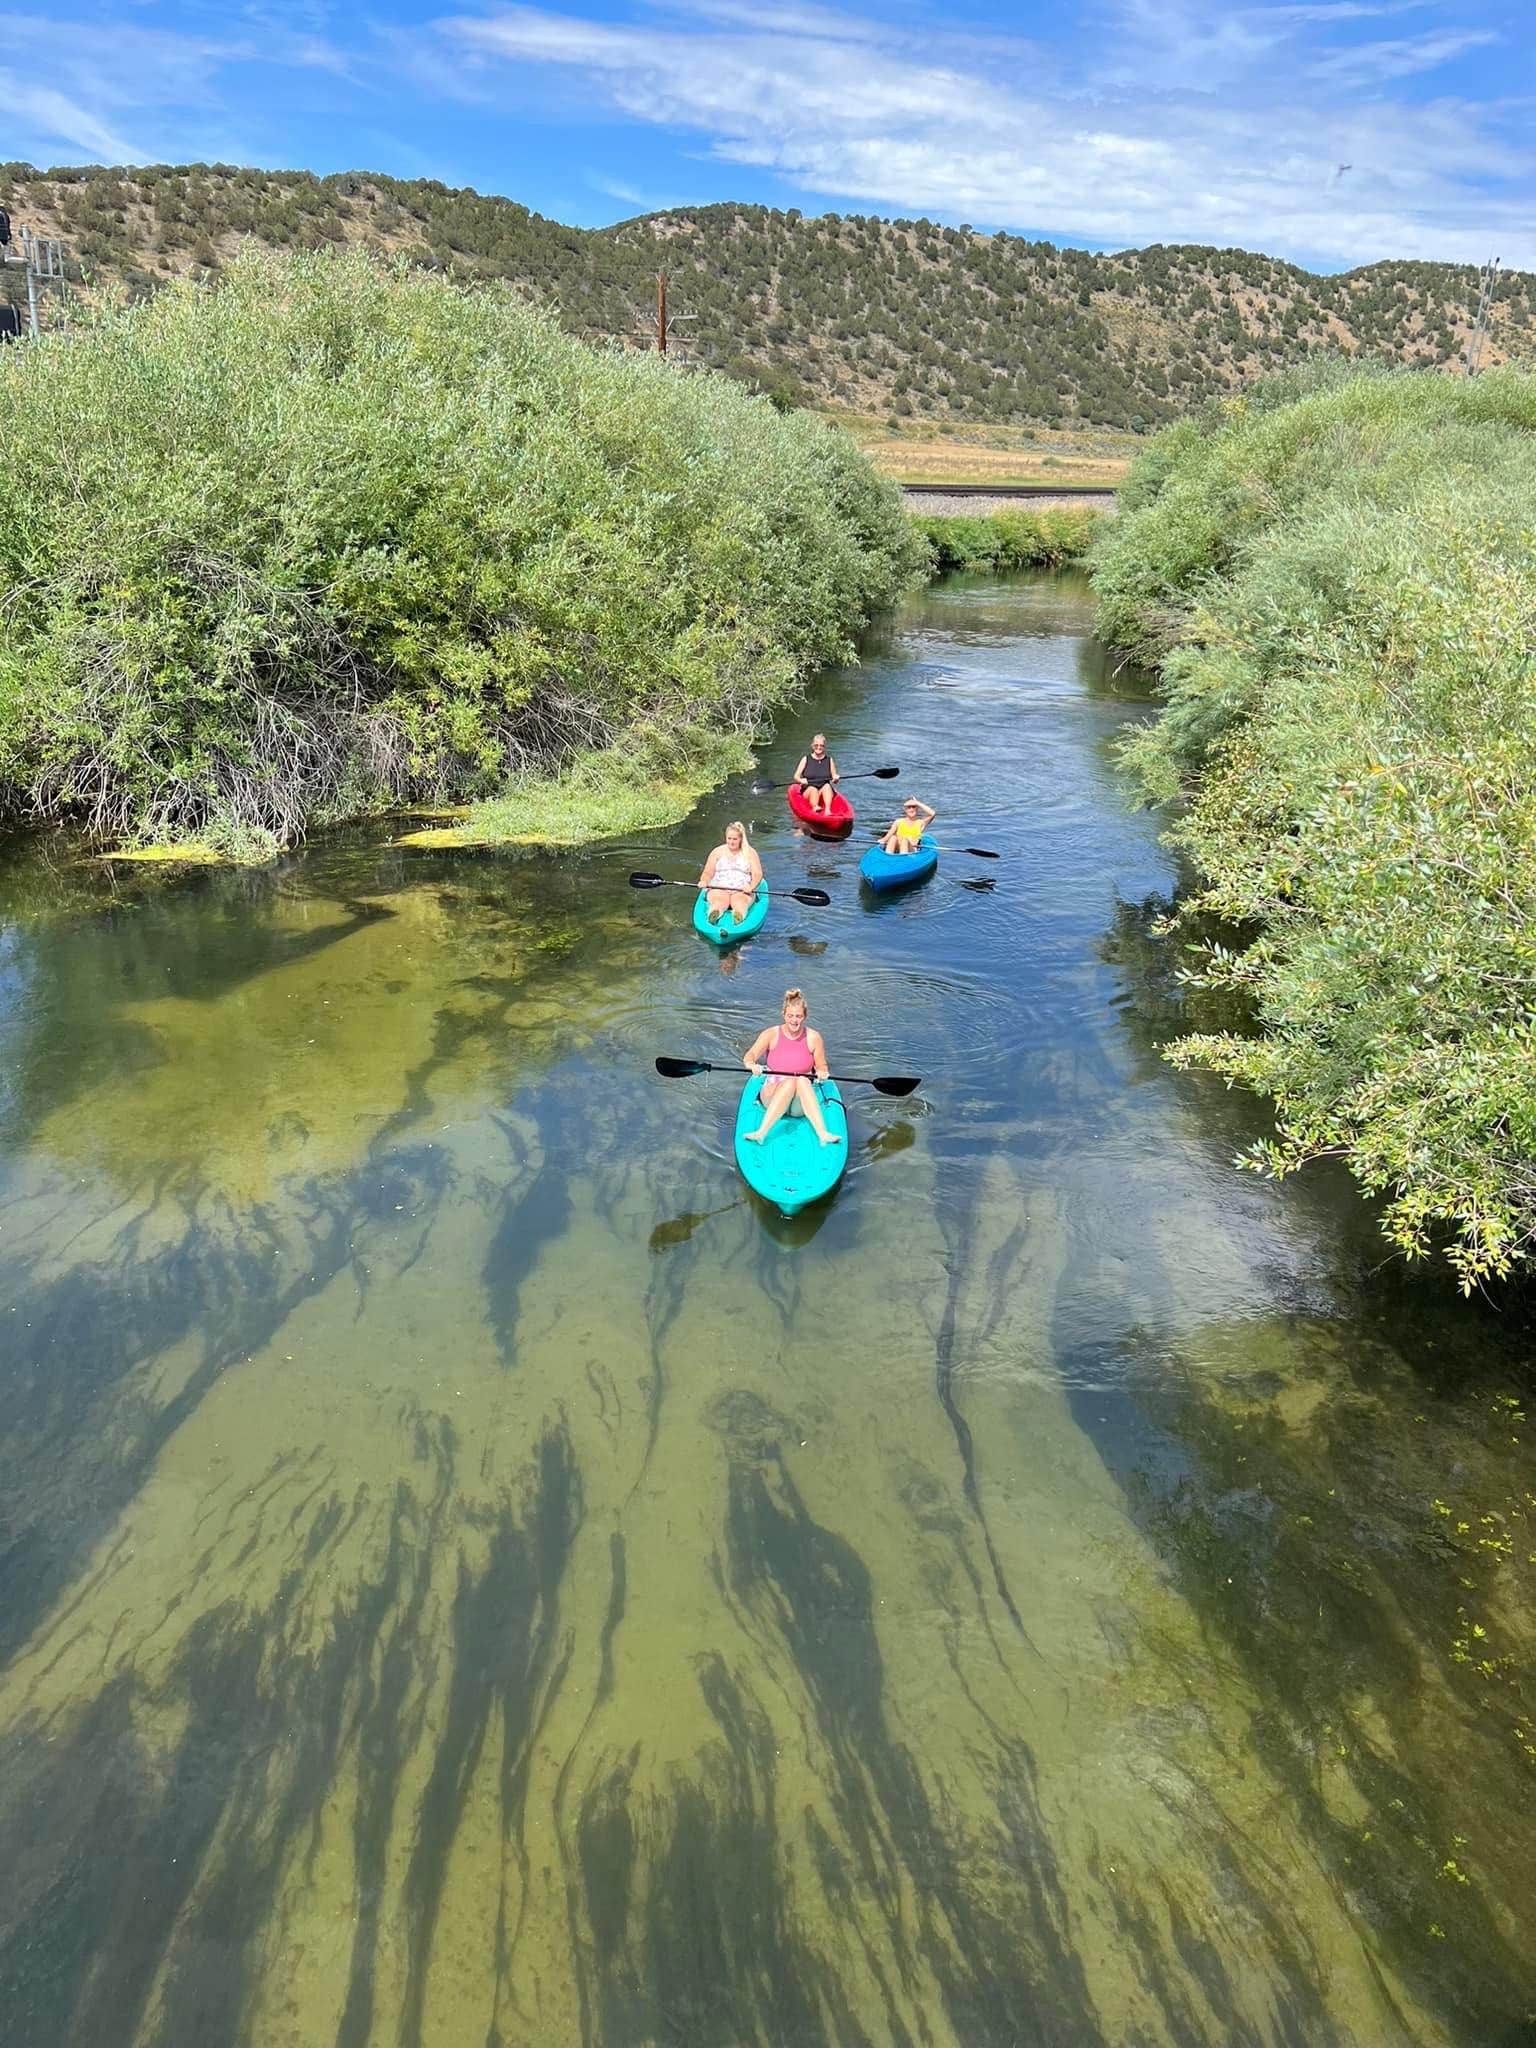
{"x":791,"y":1167}
{"x":884,"y":870}
{"x":728,"y":931}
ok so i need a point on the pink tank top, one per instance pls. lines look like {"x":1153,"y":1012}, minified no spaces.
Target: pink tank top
{"x":791,"y":1055}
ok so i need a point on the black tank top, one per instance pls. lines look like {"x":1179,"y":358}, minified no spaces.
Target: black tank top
{"x":817,"y":772}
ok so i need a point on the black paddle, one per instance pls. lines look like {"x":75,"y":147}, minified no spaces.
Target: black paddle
{"x":761,"y":788}
{"x":888,"y":1084}
{"x":979,"y":852}
{"x":817,"y":898}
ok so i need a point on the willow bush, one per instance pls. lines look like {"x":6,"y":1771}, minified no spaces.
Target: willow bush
{"x":327,"y":536}
{"x":1341,"y":589}
{"x":1043,"y":537}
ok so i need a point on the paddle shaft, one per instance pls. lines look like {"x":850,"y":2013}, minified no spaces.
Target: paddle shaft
{"x":881,"y":1081}
{"x":674,"y":1069}
{"x":977,"y":852}
{"x":761,"y":787}
{"x":818,"y":899}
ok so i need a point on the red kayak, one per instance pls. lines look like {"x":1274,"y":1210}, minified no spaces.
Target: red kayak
{"x":832,"y":824}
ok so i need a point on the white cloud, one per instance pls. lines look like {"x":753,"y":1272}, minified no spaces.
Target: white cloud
{"x":1377,"y":63}
{"x":79,"y":85}
{"x":53,"y":116}
{"x":904,"y":125}
{"x":615,"y":188}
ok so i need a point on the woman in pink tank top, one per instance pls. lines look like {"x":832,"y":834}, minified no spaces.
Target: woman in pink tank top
{"x":792,"y":1059}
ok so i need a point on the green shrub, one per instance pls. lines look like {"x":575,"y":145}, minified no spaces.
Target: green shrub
{"x":1043,"y":538}
{"x":1343,"y":588}
{"x":324,"y":537}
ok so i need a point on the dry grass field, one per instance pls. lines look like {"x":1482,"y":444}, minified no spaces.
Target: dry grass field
{"x":924,"y":454}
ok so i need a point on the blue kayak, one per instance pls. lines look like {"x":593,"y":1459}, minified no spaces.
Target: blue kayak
{"x":728,"y":930}
{"x":884,"y":870}
{"x":791,"y":1167}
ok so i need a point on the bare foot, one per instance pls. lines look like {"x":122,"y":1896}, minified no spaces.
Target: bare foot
{"x":831,"y":1139}
{"x":754,"y":1137}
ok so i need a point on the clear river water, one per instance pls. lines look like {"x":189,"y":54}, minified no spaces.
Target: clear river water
{"x":471,"y":1576}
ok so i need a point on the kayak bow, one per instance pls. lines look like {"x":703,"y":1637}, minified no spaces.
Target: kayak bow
{"x":833,"y":824}
{"x":728,"y":931}
{"x":883,"y":871}
{"x":791,"y":1167}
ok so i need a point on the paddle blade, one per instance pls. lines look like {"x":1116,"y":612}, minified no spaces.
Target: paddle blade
{"x":982,"y":884}
{"x":981,"y":852}
{"x":677,"y":1231}
{"x":886,"y":774}
{"x":816,"y":897}
{"x":679,"y":1070}
{"x":896,"y":1084}
{"x":641,"y":880}
{"x":763,"y":788}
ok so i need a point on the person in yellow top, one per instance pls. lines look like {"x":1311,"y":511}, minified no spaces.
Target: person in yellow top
{"x":904,"y":833}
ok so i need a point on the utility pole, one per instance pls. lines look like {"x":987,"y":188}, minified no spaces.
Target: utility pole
{"x":663,"y":331}
{"x":1488,"y":283}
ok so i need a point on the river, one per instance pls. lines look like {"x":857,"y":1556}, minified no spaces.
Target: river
{"x":469,"y":1575}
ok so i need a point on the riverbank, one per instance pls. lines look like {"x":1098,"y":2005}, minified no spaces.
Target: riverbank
{"x":603,"y":796}
{"x":326,"y":538}
{"x":1339,"y":584}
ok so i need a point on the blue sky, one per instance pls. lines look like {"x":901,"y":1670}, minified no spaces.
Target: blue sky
{"x":1330,"y":131}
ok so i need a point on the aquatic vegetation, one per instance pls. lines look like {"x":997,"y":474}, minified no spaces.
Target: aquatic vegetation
{"x":1340,"y":584}
{"x":327,"y":537}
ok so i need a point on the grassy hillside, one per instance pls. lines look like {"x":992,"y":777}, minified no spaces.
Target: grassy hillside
{"x":339,"y":536}
{"x":897,"y":318}
{"x":1340,"y":584}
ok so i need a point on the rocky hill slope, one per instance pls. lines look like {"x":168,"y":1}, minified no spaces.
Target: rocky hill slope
{"x":898,"y":317}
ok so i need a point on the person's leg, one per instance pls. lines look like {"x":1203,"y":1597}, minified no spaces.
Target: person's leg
{"x":741,"y":903}
{"x":820,"y":796}
{"x":719,"y":901}
{"x":773,"y":1099}
{"x":810,"y":1106}
{"x":888,"y":843}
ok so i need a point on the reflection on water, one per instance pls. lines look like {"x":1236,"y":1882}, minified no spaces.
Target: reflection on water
{"x":469,"y":1573}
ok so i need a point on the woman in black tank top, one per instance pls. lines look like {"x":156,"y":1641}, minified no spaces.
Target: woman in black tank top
{"x":816,"y":777}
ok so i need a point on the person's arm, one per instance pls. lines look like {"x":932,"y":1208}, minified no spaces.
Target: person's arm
{"x":929,"y":813}
{"x":799,"y":774}
{"x":709,"y":869}
{"x":757,"y":1052}
{"x":833,"y":765}
{"x":755,"y":867}
{"x":818,"y":1055}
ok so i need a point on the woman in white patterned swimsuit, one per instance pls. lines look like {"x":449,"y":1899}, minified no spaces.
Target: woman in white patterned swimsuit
{"x":731,"y":875}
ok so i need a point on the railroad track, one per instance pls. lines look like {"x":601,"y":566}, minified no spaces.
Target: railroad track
{"x":1063,"y":489}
